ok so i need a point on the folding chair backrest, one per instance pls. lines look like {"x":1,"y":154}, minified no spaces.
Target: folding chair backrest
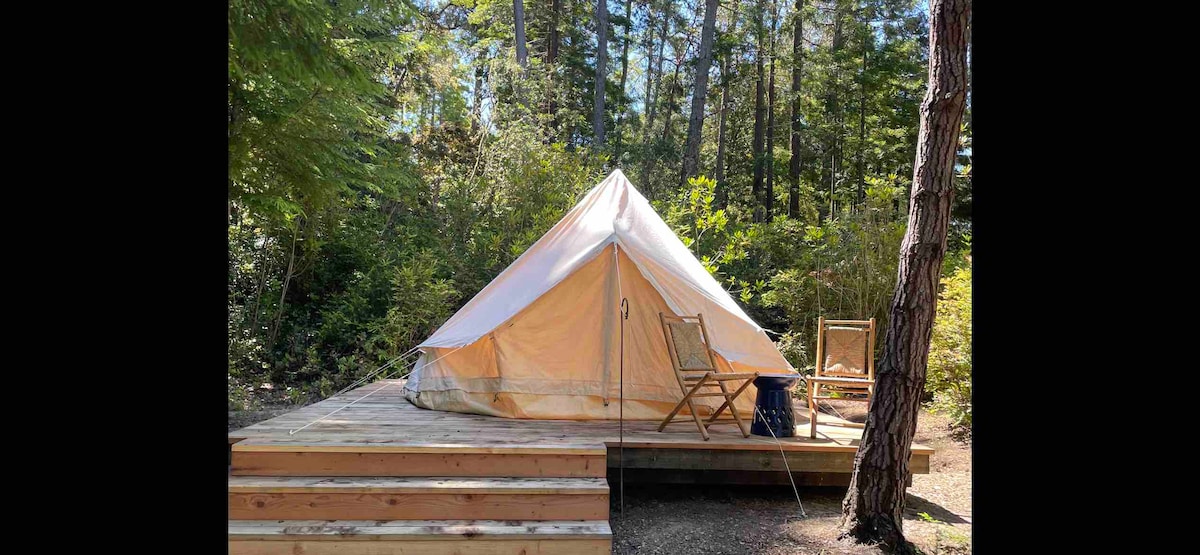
{"x":846,"y":348}
{"x":687,"y":343}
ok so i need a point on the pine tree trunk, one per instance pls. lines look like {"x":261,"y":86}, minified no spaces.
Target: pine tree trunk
{"x":759,"y":108}
{"x":651,"y":105}
{"x":860,"y":178}
{"x":833,"y":108}
{"x":522,"y":51}
{"x":477,"y":101}
{"x":874,"y":505}
{"x":519,"y":23}
{"x":554,"y":39}
{"x":722,"y":192}
{"x":601,"y":71}
{"x":287,"y":280}
{"x":797,"y":127}
{"x":691,"y":152}
{"x":620,"y":131}
{"x":672,"y":104}
{"x":768,"y":199}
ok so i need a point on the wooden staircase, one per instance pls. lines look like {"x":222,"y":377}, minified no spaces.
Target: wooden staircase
{"x":364,"y":499}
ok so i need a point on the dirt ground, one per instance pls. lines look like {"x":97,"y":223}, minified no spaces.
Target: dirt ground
{"x":766,"y":520}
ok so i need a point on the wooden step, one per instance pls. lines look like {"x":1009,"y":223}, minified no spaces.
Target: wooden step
{"x":465,"y":537}
{"x":414,"y":498}
{"x":276,"y":458}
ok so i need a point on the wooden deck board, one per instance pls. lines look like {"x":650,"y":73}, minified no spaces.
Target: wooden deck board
{"x":387,"y":423}
{"x":432,"y":530}
{"x":412,"y":485}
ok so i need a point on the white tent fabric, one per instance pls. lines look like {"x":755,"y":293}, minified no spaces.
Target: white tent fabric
{"x":562,"y":361}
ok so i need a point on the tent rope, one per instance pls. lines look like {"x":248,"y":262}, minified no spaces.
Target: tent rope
{"x":364,"y":379}
{"x":378,"y":389}
{"x":783,"y":456}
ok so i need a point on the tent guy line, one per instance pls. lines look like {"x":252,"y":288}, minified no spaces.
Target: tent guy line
{"x":372,"y":392}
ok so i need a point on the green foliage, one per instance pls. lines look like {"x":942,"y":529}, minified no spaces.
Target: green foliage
{"x":949,"y":373}
{"x":844,"y":268}
{"x":388,"y":159}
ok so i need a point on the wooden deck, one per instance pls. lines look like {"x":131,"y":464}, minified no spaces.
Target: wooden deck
{"x":383,"y":476}
{"x":386,"y":423}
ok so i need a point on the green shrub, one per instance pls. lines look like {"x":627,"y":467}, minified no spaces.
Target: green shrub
{"x":949,"y":375}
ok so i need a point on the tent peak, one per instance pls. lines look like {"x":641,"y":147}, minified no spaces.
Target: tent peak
{"x":617,"y":176}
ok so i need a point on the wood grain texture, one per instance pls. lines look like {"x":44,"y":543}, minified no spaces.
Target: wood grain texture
{"x":410,"y":530}
{"x":379,"y":484}
{"x":420,"y":506}
{"x":385,"y":435}
{"x":746,"y":460}
{"x":322,"y":463}
{"x":422,"y":547}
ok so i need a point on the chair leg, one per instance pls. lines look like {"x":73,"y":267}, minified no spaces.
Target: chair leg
{"x":729,"y":399}
{"x":721,"y":408}
{"x":687,"y":399}
{"x":696,"y":416}
{"x":812,"y":410}
{"x":728,"y":403}
{"x":671,"y":416}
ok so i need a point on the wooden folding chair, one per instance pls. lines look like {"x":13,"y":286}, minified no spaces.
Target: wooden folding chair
{"x":845,"y":363}
{"x":696,"y":369}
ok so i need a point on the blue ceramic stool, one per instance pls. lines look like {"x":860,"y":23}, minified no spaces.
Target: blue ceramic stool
{"x":774,"y":402}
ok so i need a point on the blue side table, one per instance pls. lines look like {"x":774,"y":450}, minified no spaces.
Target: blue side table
{"x":774,"y":402}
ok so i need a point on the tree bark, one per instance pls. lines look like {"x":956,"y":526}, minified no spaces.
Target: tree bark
{"x":624,"y":79}
{"x":519,"y":23}
{"x":554,"y":38}
{"x":860,"y":178}
{"x":722,"y":192}
{"x":672,"y":105}
{"x":691,"y":152}
{"x":833,"y":109}
{"x":873,"y":508}
{"x":601,"y":71}
{"x":651,"y":105}
{"x":797,"y":126}
{"x":759,"y":105}
{"x":287,"y":280}
{"x":477,"y":101}
{"x":768,"y":199}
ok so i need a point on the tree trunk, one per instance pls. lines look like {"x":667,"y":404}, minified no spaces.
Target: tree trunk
{"x":797,"y":127}
{"x":653,"y":75}
{"x":672,"y":105}
{"x":759,"y":105}
{"x":624,"y":79}
{"x":768,"y":199}
{"x":601,"y":71}
{"x":691,"y":152}
{"x":519,"y":23}
{"x":860,"y":178}
{"x":648,"y":102}
{"x":833,"y":108}
{"x":522,"y":52}
{"x":722,"y":192}
{"x":554,"y":39}
{"x":874,"y":505}
{"x":287,"y":280}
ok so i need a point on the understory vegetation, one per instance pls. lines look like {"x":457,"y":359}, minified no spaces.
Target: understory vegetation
{"x":388,"y":158}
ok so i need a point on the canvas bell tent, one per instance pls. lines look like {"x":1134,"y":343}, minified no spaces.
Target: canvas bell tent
{"x":545,"y":338}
